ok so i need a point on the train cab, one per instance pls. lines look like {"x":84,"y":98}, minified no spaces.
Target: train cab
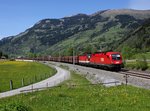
{"x":84,"y":59}
{"x":107,"y":60}
{"x":116,"y":60}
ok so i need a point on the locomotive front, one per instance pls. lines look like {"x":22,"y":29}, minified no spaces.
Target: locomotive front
{"x":116,"y":60}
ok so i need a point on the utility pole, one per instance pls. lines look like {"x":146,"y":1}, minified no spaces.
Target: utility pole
{"x":59,"y":55}
{"x":73,"y":55}
{"x":60,"y":50}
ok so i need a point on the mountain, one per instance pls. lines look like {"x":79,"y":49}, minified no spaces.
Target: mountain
{"x":99,"y":31}
{"x":138,"y":40}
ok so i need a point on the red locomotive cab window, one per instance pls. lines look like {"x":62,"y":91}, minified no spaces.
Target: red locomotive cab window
{"x":116,"y":57}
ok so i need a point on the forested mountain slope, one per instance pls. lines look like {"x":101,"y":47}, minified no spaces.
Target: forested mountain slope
{"x":100,"y":31}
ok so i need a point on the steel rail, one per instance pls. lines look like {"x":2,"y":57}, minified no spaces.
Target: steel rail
{"x":136,"y":74}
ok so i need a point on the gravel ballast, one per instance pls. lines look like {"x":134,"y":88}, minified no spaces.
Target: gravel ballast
{"x":108,"y":78}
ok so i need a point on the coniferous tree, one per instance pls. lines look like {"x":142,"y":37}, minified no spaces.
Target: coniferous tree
{"x":1,"y":54}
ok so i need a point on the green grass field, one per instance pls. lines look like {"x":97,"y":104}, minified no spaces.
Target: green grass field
{"x":31,"y":72}
{"x":77,"y":95}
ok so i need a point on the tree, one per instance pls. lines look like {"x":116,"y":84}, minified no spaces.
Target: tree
{"x":6,"y":56}
{"x":69,"y":51}
{"x":1,"y":54}
{"x":127,"y":52}
{"x":87,"y":49}
{"x":32,"y":55}
{"x":90,"y":49}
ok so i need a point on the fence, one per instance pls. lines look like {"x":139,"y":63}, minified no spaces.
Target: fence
{"x":32,"y":89}
{"x":6,"y":85}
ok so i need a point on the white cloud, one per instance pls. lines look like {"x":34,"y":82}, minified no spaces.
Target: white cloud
{"x":139,"y":4}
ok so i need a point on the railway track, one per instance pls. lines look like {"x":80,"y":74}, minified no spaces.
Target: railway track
{"x":136,"y":74}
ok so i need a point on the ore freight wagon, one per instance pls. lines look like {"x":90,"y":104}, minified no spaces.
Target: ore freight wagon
{"x":66,"y":59}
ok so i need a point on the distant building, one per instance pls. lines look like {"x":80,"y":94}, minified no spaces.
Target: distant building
{"x":3,"y":57}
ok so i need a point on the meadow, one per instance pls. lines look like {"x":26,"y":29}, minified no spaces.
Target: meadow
{"x":77,"y":94}
{"x":22,"y":73}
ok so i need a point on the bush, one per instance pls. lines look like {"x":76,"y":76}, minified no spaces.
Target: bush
{"x":130,"y":66}
{"x":133,"y":66}
{"x":12,"y":59}
{"x":142,"y":63}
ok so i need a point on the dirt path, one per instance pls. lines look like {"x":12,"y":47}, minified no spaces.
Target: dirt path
{"x":59,"y":77}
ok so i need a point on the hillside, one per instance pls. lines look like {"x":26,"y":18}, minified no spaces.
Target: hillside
{"x":138,"y":40}
{"x":99,"y":31}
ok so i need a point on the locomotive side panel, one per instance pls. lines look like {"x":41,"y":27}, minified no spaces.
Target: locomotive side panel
{"x":99,"y":59}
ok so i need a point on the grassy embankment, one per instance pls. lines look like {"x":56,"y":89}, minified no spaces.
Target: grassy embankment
{"x":30,"y":72}
{"x":76,"y":95}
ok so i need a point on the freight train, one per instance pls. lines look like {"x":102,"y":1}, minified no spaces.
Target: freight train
{"x":105,"y":60}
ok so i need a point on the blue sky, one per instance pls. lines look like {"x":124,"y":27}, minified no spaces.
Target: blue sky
{"x":18,"y":15}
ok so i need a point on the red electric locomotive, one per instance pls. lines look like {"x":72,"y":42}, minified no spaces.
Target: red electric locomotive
{"x":106,"y":60}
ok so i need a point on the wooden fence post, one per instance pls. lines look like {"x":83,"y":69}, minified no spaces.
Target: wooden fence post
{"x":22,"y":82}
{"x":11,"y":85}
{"x":126,"y":78}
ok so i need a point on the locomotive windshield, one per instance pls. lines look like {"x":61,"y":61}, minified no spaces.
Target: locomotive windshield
{"x":116,"y":57}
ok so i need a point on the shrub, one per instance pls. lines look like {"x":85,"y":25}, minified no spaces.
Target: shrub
{"x":142,"y":63}
{"x":130,"y":65}
{"x":133,"y":66}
